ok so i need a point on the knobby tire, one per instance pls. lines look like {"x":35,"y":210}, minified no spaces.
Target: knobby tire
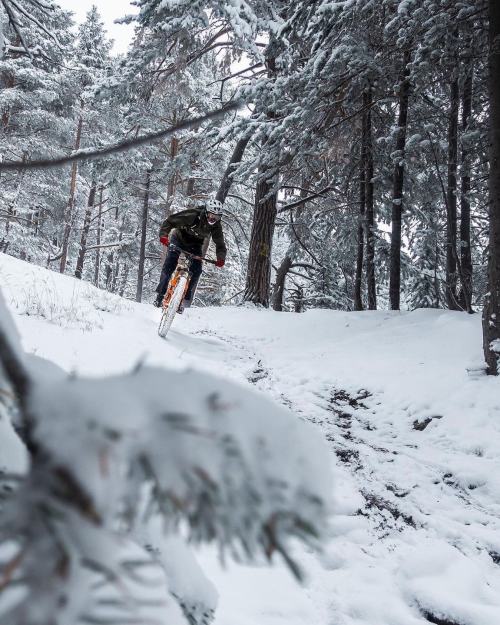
{"x":169,"y":313}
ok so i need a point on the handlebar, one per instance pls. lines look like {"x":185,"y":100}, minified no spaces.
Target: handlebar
{"x":206,"y":260}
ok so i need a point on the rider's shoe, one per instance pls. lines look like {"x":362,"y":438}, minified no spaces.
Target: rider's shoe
{"x":158,"y":301}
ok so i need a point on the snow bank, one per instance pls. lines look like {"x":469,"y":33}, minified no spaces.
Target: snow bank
{"x":414,"y":440}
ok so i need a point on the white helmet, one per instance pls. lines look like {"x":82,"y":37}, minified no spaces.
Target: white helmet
{"x":213,"y":211}
{"x":214,"y":206}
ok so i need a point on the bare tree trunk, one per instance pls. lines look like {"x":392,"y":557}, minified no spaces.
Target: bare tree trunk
{"x":370,"y":206}
{"x":358,"y":278}
{"x":109,"y":272}
{"x":85,"y":231}
{"x":142,"y":248}
{"x":451,"y":201}
{"x":68,"y":217}
{"x":124,"y":281}
{"x":491,"y":314}
{"x":465,"y":296}
{"x":398,"y":182}
{"x":298,"y":306}
{"x":12,"y":207}
{"x":279,"y":285}
{"x":98,"y":239}
{"x":172,"y":181}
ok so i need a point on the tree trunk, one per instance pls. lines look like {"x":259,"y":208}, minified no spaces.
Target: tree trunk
{"x":171,"y":188}
{"x":12,"y":207}
{"x":85,"y":231}
{"x":370,"y":207}
{"x":298,"y":306}
{"x":124,"y":281}
{"x":398,"y":181}
{"x":491,"y":314}
{"x":465,"y":296}
{"x":172,"y":181}
{"x":258,"y":280}
{"x":142,"y":249}
{"x":109,"y":272}
{"x":261,"y":241}
{"x":451,"y":200}
{"x":227,"y":178}
{"x":98,"y":239}
{"x":113,"y":268}
{"x":358,"y":279}
{"x":279,"y":285}
{"x":68,"y":217}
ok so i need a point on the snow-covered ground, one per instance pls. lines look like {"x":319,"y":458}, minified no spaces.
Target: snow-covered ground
{"x":414,"y":434}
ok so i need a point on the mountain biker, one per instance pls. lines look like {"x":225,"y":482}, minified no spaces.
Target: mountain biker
{"x":192,"y":226}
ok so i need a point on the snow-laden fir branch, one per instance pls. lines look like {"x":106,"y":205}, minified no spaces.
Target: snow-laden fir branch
{"x":303,"y":201}
{"x":15,"y":25}
{"x":148,"y":447}
{"x":32,"y":18}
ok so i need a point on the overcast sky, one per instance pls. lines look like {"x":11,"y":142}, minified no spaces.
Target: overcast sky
{"x":109,"y":10}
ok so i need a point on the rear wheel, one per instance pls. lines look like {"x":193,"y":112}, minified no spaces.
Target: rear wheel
{"x":169,"y":312}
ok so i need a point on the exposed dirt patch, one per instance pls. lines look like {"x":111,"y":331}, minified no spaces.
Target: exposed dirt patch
{"x":421,"y":425}
{"x":438,"y":620}
{"x":386,"y":510}
{"x":341,"y":398}
{"x":349,"y":456}
{"x":259,"y":373}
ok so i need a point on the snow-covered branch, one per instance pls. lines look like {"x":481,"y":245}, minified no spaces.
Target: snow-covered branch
{"x":88,"y":154}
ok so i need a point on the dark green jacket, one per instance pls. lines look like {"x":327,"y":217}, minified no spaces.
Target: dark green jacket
{"x":192,"y":227}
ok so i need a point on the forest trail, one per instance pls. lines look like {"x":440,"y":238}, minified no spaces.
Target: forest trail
{"x":418,"y":517}
{"x":415,"y":441}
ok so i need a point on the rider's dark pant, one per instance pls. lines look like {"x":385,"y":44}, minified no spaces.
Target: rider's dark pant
{"x":170,"y":264}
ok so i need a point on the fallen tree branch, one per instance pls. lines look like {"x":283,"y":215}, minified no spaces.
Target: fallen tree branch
{"x":298,"y":203}
{"x":88,"y":154}
{"x":108,"y":245}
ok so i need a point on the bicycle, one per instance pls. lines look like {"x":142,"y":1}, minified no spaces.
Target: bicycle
{"x":177,"y":288}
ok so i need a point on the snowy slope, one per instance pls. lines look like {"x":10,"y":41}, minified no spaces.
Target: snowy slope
{"x":415,"y":440}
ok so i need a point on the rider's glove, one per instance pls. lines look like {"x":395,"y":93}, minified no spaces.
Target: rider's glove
{"x":164,"y":240}
{"x":220,"y":262}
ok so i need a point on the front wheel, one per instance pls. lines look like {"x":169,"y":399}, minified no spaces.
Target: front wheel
{"x":169,"y":312}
